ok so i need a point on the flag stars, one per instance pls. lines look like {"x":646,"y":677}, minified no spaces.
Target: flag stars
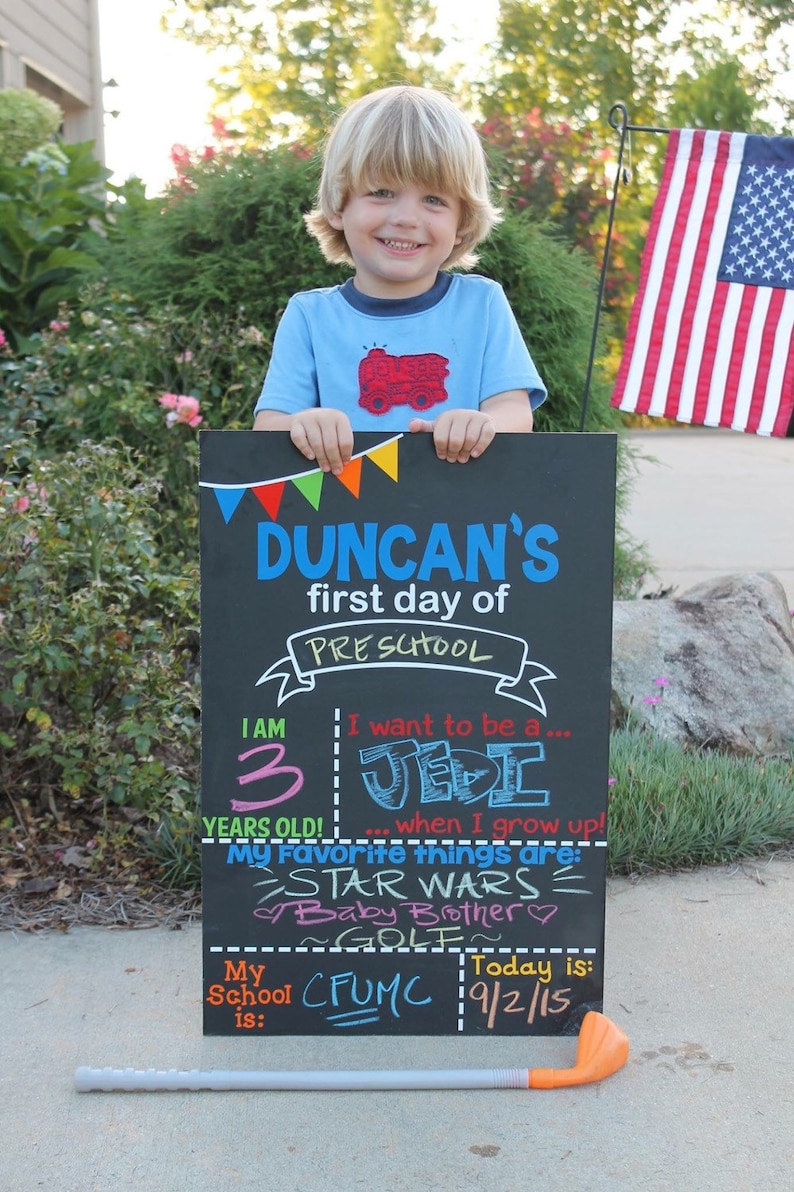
{"x":758,"y":240}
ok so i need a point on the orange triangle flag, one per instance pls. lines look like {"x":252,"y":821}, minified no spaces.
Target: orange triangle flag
{"x":269,"y":495}
{"x":351,"y":476}
{"x":386,"y":458}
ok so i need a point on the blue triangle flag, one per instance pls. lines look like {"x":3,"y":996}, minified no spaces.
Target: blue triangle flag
{"x":229,"y":499}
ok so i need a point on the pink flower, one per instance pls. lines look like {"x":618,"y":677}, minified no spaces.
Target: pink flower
{"x":184,"y":357}
{"x":180,"y":408}
{"x":652,"y":699}
{"x":662,"y":682}
{"x":3,"y":340}
{"x":59,"y":325}
{"x":21,"y":504}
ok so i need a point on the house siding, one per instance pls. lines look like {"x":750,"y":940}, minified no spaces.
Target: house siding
{"x":52,"y":46}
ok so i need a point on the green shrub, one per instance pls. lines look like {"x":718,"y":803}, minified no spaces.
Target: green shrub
{"x":228,"y":242}
{"x":102,"y":373}
{"x":27,"y":120}
{"x":98,"y":642}
{"x":52,"y":207}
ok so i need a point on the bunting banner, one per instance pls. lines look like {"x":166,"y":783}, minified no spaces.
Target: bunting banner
{"x":308,"y":483}
{"x":709,"y":340}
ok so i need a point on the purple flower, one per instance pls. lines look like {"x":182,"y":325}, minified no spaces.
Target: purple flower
{"x":652,"y":699}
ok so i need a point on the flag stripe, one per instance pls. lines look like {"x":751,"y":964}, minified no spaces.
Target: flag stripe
{"x":697,"y":295}
{"x":783,"y":421}
{"x":761,"y":374}
{"x":753,"y":364}
{"x":635,"y":351}
{"x":746,"y":296}
{"x":704,"y":174}
{"x":672,"y":233}
{"x":768,"y":389}
{"x":736,"y":320}
{"x":699,"y":349}
{"x":688,"y":400}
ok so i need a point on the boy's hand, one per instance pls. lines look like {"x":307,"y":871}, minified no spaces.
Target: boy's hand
{"x":458,"y":435}
{"x":324,"y":435}
{"x":321,"y":434}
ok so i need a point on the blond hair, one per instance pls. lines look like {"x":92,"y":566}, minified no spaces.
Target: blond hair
{"x":408,"y":135}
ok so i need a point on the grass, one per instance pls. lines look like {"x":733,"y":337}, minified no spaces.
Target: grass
{"x":675,"y":808}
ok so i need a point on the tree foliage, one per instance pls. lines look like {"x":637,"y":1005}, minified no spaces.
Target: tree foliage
{"x":549,"y":169}
{"x":565,"y":56}
{"x":289,"y":64}
{"x":574,"y":58}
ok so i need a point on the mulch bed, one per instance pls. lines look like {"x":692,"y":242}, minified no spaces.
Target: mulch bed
{"x":98,"y":905}
{"x":87,"y":869}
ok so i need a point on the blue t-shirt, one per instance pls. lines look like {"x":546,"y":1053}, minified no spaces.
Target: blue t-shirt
{"x":384,"y":361}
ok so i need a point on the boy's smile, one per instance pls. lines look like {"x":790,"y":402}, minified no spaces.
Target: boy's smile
{"x":399,"y":237}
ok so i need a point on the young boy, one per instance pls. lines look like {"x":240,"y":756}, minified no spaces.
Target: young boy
{"x":403,"y":344}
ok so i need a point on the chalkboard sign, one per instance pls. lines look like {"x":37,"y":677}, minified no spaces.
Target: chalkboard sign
{"x":405,"y":723}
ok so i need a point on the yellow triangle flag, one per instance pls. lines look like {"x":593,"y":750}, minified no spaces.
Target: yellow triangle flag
{"x":386,"y":458}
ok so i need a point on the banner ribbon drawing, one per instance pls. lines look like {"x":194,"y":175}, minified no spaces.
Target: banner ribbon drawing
{"x":434,"y":645}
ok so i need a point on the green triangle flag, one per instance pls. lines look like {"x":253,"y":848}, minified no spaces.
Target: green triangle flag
{"x":310,"y":486}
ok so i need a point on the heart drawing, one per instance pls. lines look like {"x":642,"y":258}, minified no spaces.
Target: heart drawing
{"x":541,"y":913}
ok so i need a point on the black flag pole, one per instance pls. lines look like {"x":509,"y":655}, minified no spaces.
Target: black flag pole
{"x":619,"y":120}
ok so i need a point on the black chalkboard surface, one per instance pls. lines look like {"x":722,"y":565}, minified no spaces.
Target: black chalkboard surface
{"x":405,"y":735}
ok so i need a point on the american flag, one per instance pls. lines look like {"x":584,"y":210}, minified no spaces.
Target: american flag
{"x":710,"y":335}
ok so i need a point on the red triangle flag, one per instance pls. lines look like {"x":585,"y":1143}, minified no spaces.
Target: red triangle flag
{"x":269,"y":495}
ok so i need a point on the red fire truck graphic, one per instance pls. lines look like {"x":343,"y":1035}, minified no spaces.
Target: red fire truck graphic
{"x":385,"y":381}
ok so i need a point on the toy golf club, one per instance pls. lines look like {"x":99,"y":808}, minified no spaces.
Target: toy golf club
{"x":602,"y":1049}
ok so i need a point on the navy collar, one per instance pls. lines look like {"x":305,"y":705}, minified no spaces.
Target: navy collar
{"x":396,"y":307}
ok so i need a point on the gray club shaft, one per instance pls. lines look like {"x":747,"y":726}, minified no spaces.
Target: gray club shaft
{"x":131,"y":1080}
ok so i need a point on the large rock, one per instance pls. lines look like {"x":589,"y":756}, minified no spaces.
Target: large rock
{"x":713,"y":667}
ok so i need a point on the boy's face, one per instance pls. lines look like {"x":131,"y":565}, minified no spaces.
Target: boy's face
{"x":398,"y":236}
